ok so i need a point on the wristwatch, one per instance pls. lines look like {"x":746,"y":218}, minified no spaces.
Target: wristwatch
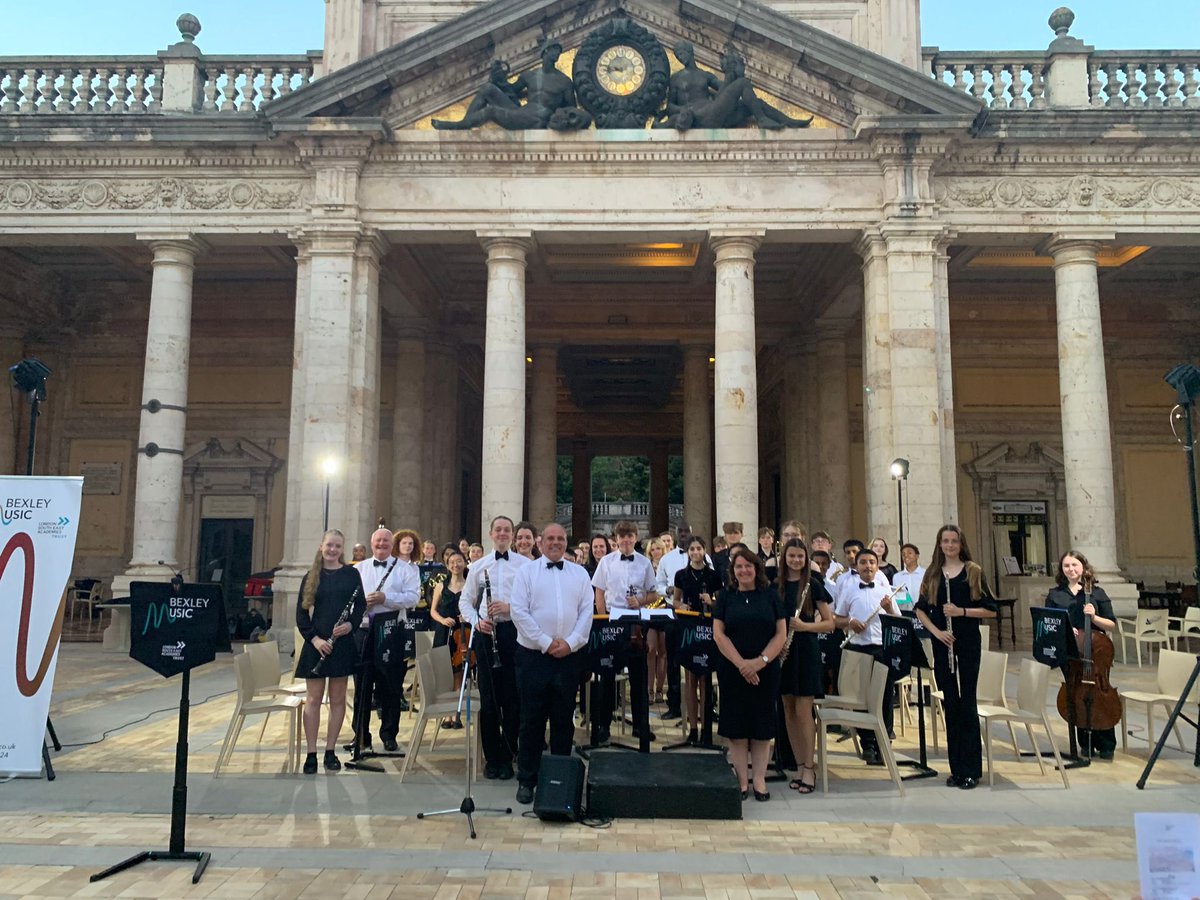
{"x":766,"y":660}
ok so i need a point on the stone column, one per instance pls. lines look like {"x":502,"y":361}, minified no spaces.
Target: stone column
{"x":503,"y":459}
{"x":581,"y":492}
{"x":735,"y":391}
{"x":335,"y":402}
{"x":697,"y":442}
{"x":1087,"y":438}
{"x":900,"y":377}
{"x":441,"y":435}
{"x":660,"y":509}
{"x":543,"y":435}
{"x":408,"y":433}
{"x":945,"y":380}
{"x":832,"y":403}
{"x":12,"y":351}
{"x":159,"y":491}
{"x":797,"y":420}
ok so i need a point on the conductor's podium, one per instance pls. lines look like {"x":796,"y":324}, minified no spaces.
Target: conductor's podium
{"x":662,"y":786}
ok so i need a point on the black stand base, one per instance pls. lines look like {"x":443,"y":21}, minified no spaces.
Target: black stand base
{"x":594,"y":742}
{"x":200,"y":857}
{"x":1177,"y":712}
{"x":922,"y":770}
{"x":706,"y":727}
{"x":468,"y":809}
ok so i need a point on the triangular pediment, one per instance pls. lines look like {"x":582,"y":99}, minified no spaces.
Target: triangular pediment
{"x":793,"y":65}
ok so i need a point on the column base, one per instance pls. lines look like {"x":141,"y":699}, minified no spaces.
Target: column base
{"x":1122,"y":593}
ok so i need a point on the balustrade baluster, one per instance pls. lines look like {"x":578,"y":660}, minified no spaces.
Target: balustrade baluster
{"x":1113,"y":89}
{"x":1037,"y":86}
{"x":210,"y":91}
{"x":1154,"y":84}
{"x":1171,"y":92}
{"x":29,"y":91}
{"x":103,"y":90}
{"x":1133,"y":86}
{"x":998,"y":99}
{"x":1191,"y":85}
{"x":1095,"y":85}
{"x":9,"y":79}
{"x":1017,"y":70}
{"x":977,"y":85}
{"x":228,"y":88}
{"x":285,"y":86}
{"x":960,"y":83}
{"x":155,"y":78}
{"x":47,"y":91}
{"x":246,"y":101}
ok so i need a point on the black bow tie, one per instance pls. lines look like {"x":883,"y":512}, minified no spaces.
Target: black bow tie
{"x":625,"y":558}
{"x":503,"y":556}
{"x":382,"y":563}
{"x":554,"y":565}
{"x":861,"y":585}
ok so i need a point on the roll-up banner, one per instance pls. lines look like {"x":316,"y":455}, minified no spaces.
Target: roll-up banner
{"x":39,"y":519}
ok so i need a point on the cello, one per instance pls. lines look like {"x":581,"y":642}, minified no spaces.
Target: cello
{"x":1087,"y":698}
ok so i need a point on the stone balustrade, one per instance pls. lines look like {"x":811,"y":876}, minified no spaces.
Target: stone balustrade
{"x":1144,"y":79}
{"x":999,"y":80}
{"x":234,"y":84}
{"x":72,"y":85}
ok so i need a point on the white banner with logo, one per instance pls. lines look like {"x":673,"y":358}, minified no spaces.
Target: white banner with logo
{"x":39,"y":518}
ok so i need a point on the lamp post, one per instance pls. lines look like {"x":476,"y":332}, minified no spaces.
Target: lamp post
{"x":329,"y":467}
{"x":899,"y":471}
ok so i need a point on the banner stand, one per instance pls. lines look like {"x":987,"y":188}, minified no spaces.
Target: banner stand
{"x":176,"y":851}
{"x":179,"y":633}
{"x":50,"y":776}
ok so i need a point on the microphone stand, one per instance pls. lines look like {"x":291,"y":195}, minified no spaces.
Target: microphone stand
{"x":467,"y":807}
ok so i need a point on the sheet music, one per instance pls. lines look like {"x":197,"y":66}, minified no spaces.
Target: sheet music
{"x":1167,"y":846}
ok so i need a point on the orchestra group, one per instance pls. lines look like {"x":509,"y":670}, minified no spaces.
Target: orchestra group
{"x":773,"y":609}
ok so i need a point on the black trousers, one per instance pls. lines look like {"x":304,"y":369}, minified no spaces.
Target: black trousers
{"x":964,"y":743}
{"x":674,"y":691}
{"x":499,"y":699}
{"x":387,"y":687}
{"x":548,"y":687}
{"x":867,"y":738}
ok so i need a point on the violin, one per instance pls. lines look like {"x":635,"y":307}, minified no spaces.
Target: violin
{"x":460,"y":638}
{"x":1087,"y":698}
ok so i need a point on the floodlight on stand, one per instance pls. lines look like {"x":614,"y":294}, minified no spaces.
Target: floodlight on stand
{"x":899,"y":468}
{"x":29,"y":376}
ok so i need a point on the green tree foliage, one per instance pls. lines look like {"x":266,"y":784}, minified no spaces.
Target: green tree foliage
{"x":621,"y":478}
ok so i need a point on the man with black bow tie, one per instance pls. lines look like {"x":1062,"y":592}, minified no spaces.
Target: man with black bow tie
{"x":552,"y":605}
{"x":858,"y":596}
{"x":624,"y":579}
{"x":499,"y":700}
{"x":399,"y":592}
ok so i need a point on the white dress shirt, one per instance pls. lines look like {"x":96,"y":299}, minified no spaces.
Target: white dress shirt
{"x":910,"y":581}
{"x":667,"y":567}
{"x":856,"y":602}
{"x":549,"y":603}
{"x":615,"y":576}
{"x":501,"y":574}
{"x":401,"y":590}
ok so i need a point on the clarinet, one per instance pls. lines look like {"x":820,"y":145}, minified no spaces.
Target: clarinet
{"x":342,"y":619}
{"x":487,"y":594}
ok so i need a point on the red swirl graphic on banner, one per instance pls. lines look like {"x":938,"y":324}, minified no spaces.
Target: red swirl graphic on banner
{"x":26,"y":685}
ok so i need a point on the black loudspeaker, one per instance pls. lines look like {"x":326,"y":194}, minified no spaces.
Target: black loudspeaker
{"x":559,"y":796}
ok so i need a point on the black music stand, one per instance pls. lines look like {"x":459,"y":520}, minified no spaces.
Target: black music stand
{"x":1172,"y":720}
{"x":609,"y":651}
{"x":1052,"y":646}
{"x":702,"y":650}
{"x":360,"y":716}
{"x":903,"y":651}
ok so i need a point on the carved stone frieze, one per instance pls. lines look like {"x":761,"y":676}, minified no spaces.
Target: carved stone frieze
{"x":1080,"y":192}
{"x":150,"y":194}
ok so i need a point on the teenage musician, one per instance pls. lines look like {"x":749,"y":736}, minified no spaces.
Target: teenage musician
{"x":330,"y":601}
{"x":696,"y":584}
{"x":443,"y":610}
{"x":399,"y":591}
{"x":499,"y":701}
{"x":860,"y":600}
{"x":802,"y":678}
{"x":954,"y":597}
{"x":1077,"y":592}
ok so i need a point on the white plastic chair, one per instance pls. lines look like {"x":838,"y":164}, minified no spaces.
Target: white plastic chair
{"x":87,"y":597}
{"x":1030,"y":711}
{"x":1174,"y":669}
{"x":1187,"y":626}
{"x":248,"y":706}
{"x":993,"y":668}
{"x":869,"y":720}
{"x":1149,"y":627}
{"x":432,"y":709}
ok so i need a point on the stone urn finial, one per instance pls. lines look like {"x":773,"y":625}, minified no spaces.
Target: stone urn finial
{"x":1061,"y":20}
{"x":189,"y":27}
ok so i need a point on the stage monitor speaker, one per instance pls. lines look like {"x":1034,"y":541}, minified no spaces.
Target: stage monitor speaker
{"x":559,"y":796}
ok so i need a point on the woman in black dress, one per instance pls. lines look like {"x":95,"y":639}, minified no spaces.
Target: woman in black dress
{"x":331,"y":601}
{"x":749,"y":627}
{"x":695,"y":586}
{"x":1078,"y":593}
{"x":801,"y":677}
{"x":443,"y":609}
{"x":954,"y":597}
{"x":879,"y":545}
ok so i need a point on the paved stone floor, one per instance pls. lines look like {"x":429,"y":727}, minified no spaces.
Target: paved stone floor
{"x":356,"y":835}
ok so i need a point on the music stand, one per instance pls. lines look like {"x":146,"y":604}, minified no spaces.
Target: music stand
{"x":608,"y":652}
{"x":903,"y":651}
{"x":467,"y":807}
{"x":1051,"y":647}
{"x":1172,"y":721}
{"x":364,"y":690}
{"x":696,"y":652}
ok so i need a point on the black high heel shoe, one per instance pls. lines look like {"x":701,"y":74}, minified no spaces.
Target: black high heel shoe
{"x":761,"y":796}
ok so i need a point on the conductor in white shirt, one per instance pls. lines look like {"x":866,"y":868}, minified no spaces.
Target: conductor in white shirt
{"x":551,"y":606}
{"x":399,"y":592}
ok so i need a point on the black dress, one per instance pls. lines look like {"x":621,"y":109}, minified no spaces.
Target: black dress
{"x":694,"y":582}
{"x":1099,"y":740}
{"x":964,"y":747}
{"x":750,"y":618}
{"x":888,"y":570}
{"x":447,"y":608}
{"x":801,"y":674}
{"x":336,"y":588}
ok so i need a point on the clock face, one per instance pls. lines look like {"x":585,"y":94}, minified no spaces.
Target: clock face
{"x":621,"y":70}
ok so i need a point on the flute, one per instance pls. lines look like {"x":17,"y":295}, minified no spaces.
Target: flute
{"x":952,"y":655}
{"x":873,"y":614}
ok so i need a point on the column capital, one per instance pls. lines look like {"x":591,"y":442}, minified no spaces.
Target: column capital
{"x":906,"y":237}
{"x":174,"y":244}
{"x":510,"y":245}
{"x":338,"y":239}
{"x":1075,"y":246}
{"x":730,"y":245}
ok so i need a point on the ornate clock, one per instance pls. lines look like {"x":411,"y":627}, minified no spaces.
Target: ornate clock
{"x":621,"y":74}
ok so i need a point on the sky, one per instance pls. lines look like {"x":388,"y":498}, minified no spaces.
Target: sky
{"x":79,"y":27}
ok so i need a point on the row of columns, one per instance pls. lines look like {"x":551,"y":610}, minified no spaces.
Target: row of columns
{"x":335,"y":397}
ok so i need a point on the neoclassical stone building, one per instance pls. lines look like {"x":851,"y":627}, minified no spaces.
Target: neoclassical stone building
{"x":242,"y":269}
